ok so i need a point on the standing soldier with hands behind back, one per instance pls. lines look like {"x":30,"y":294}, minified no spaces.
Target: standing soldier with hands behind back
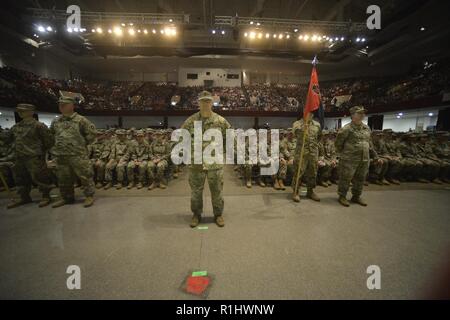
{"x":353,"y":145}
{"x":73,"y":133}
{"x":32,"y":139}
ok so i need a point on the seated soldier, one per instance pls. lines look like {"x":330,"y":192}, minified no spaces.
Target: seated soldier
{"x":138,"y":156}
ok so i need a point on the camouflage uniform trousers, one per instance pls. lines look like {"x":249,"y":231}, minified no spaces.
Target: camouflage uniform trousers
{"x":6,"y":168}
{"x":197,"y":177}
{"x":99,"y":169}
{"x":142,"y":169}
{"x":120,"y":167}
{"x":32,"y":170}
{"x":354,"y":172}
{"x":430,"y":169}
{"x":395,"y":167}
{"x":411,"y":169}
{"x":444,"y":171}
{"x":325,"y":172}
{"x":308,"y":171}
{"x":156,"y":171}
{"x":68,"y":169}
{"x":282,"y":170}
{"x":377,"y":170}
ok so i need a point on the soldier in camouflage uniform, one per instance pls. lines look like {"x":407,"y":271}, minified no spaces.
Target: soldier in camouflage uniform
{"x":198,"y":173}
{"x":394,"y":156}
{"x":327,"y":171}
{"x":311,"y":154}
{"x":32,"y":139}
{"x":412,"y":166}
{"x":287,"y":152}
{"x":379,"y":169}
{"x":428,"y":158}
{"x":442,"y":150}
{"x":73,"y":133}
{"x":118,"y":160}
{"x":159,"y":161}
{"x":139,"y":156}
{"x":353,"y":145}
{"x":6,"y":160}
{"x":98,"y":153}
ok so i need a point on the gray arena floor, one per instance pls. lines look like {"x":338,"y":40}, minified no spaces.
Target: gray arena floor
{"x":136,"y":244}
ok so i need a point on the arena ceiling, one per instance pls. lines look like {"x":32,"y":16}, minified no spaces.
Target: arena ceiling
{"x":411,"y":31}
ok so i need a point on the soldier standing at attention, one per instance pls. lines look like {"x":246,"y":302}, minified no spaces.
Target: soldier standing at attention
{"x":353,"y":144}
{"x":311,"y":154}
{"x":73,"y":133}
{"x":198,"y":173}
{"x":32,"y":140}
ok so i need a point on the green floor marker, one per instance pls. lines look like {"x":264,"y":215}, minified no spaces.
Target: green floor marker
{"x":202,"y":228}
{"x":199,"y":273}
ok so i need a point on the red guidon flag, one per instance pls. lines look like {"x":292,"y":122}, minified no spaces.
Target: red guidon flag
{"x":313,"y":98}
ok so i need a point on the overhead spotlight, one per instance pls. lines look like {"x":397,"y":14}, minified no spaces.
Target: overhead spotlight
{"x":131,"y":24}
{"x":41,"y":29}
{"x":252,"y":35}
{"x":109,"y":31}
{"x":358,"y":39}
{"x":83,"y":29}
{"x":118,"y":31}
{"x":323,"y":37}
{"x":213,"y":31}
{"x":170,"y":20}
{"x":245,"y":34}
{"x":139,"y":30}
{"x":69,"y":30}
{"x":314,"y":38}
{"x":398,"y":117}
{"x":400,"y":114}
{"x":274,"y":35}
{"x":49,"y":29}
{"x":336,"y":39}
{"x":288,"y":36}
{"x":260,"y":35}
{"x":251,"y":22}
{"x":430,"y":114}
{"x":300,"y":37}
{"x":295,"y":30}
{"x":267,"y":35}
{"x":93,"y":30}
{"x":363,"y":39}
{"x":99,"y":30}
{"x":223,"y":32}
{"x":342,"y":38}
{"x":131,"y":31}
{"x":162,"y":31}
{"x":330,"y":40}
{"x":145,"y":31}
{"x":75,"y":29}
{"x":153,"y":31}
{"x":305,"y":37}
{"x":422,"y":28}
{"x":123,"y":24}
{"x":280,"y":36}
{"x":258,"y":24}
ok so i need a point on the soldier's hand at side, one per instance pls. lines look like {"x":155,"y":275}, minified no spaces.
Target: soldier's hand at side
{"x":380,"y":161}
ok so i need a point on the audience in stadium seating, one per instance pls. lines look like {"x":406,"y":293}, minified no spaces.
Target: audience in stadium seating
{"x":23,"y":86}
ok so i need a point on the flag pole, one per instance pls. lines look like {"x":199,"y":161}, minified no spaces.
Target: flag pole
{"x":302,"y":151}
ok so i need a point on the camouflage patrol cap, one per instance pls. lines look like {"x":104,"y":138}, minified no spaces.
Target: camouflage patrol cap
{"x":357,"y":109}
{"x":67,"y":99}
{"x":140,"y":133}
{"x":205,"y":95}
{"x":377,"y":132}
{"x":325,"y":132}
{"x":120,"y":132}
{"x":100,"y":131}
{"x":388,"y":130}
{"x":149,"y":130}
{"x":25,"y":107}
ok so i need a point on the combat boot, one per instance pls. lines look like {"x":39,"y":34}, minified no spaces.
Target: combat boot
{"x":261,"y":183}
{"x":108,"y":185}
{"x":61,"y":203}
{"x":175,"y":175}
{"x":17,"y":203}
{"x":249,"y":183}
{"x":130,"y":185}
{"x":296,"y":198}
{"x":276,"y":184}
{"x":162,"y":185}
{"x":385,"y":182}
{"x":323,"y":184}
{"x":195,"y":221}
{"x":219,"y":221}
{"x":421,"y":180}
{"x":139,"y":185}
{"x":119,"y":186}
{"x":312,"y":195}
{"x":152,"y":186}
{"x":282,"y":186}
{"x":45,"y":201}
{"x":99,"y":185}
{"x":89,"y":201}
{"x":359,"y":201}
{"x":378,"y":182}
{"x":436,"y":181}
{"x":343,"y":200}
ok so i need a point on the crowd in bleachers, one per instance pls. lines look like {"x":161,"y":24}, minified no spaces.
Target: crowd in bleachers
{"x":22,"y":86}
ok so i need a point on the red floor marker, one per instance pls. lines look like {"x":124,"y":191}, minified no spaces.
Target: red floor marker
{"x":197,"y":285}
